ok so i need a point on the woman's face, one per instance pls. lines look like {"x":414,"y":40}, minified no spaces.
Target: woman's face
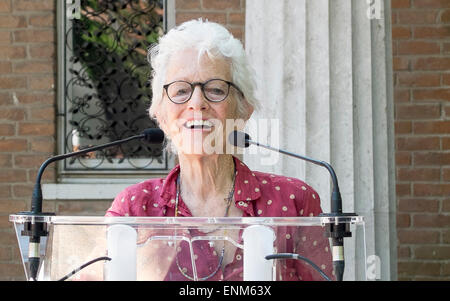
{"x":177,"y":120}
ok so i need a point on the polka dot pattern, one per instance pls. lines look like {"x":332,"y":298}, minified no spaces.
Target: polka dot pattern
{"x":256,"y":194}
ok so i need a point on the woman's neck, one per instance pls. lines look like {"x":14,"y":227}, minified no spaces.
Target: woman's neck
{"x":206,"y":178}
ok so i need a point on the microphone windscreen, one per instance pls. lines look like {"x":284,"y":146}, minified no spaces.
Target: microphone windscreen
{"x":239,"y":139}
{"x":153,"y":135}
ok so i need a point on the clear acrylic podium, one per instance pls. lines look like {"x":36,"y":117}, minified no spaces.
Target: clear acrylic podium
{"x":188,"y":248}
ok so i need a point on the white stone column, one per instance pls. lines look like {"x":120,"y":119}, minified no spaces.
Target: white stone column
{"x":324,"y":71}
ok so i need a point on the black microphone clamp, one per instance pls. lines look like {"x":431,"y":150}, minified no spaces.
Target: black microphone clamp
{"x":336,"y":231}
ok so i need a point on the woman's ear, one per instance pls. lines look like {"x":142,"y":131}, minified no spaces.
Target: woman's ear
{"x":249,"y":109}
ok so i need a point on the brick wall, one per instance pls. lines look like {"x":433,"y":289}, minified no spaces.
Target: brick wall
{"x":230,"y":13}
{"x":27,"y":115}
{"x":421,"y":48}
{"x":28,"y":102}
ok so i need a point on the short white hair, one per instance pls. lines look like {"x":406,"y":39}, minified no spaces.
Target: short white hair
{"x":208,"y":38}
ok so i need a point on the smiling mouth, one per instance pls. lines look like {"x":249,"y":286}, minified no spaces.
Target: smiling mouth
{"x":198,"y":125}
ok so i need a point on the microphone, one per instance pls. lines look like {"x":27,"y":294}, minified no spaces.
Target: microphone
{"x":35,"y":229}
{"x":336,"y":232}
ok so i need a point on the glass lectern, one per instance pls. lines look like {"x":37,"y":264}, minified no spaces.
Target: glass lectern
{"x":188,"y":248}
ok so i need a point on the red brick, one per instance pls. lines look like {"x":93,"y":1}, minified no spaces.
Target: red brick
{"x":445,"y":16}
{"x":13,"y":82}
{"x":445,"y":143}
{"x":29,"y":161}
{"x":13,"y":22}
{"x":417,"y":47}
{"x":403,"y":127}
{"x":187,"y":5}
{"x":446,"y":79}
{"x":5,"y":67}
{"x":419,"y":268}
{"x":403,"y":189}
{"x":428,"y":32}
{"x":21,"y":190}
{"x":417,"y":17}
{"x":5,"y":99}
{"x":414,"y":79}
{"x":42,"y":145}
{"x":5,"y":6}
{"x":432,"y":127}
{"x":412,"y":236}
{"x":12,"y":114}
{"x":432,"y":94}
{"x":36,"y":99}
{"x":7,"y":129}
{"x":418,"y":205}
{"x":5,"y":37}
{"x":446,"y":174}
{"x":432,"y":63}
{"x":446,"y":208}
{"x":238,"y":33}
{"x":13,"y":145}
{"x":411,"y":112}
{"x":42,"y":83}
{"x":43,"y":113}
{"x":34,"y":67}
{"x":431,"y":158}
{"x":39,"y":129}
{"x":12,"y":52}
{"x":403,"y":158}
{"x":400,"y":63}
{"x":220,"y":18}
{"x":12,"y":175}
{"x":5,"y":160}
{"x":431,"y":3}
{"x":222,"y":5}
{"x":403,"y":252}
{"x":446,"y":236}
{"x":6,"y":253}
{"x":402,"y":95}
{"x":236,"y":19}
{"x":418,"y":143}
{"x":34,"y":5}
{"x":446,"y":47}
{"x":400,"y":4}
{"x":401,"y":32}
{"x":34,"y":36}
{"x":431,"y":221}
{"x":418,"y":174}
{"x":42,"y":51}
{"x":42,"y":21}
{"x":431,"y":189}
{"x":403,"y":220}
{"x":5,"y":191}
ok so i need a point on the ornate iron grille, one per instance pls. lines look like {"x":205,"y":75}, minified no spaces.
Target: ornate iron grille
{"x":107,"y":82}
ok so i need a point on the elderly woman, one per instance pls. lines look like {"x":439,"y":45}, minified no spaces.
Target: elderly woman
{"x":202,"y":80}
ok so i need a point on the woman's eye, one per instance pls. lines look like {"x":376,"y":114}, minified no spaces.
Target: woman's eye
{"x":216,"y":91}
{"x":182,"y":92}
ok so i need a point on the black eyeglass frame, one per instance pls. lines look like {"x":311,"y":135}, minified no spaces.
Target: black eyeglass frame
{"x":202,"y":85}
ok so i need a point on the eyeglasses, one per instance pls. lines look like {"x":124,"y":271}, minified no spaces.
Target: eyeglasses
{"x":214,"y":90}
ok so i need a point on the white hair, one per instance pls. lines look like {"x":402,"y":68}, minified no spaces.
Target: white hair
{"x":208,"y":38}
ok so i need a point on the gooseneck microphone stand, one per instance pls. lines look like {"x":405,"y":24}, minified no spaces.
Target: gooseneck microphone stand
{"x":335,"y":231}
{"x":36,"y":229}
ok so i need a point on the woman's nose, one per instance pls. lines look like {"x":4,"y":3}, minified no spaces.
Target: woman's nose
{"x":198,"y":100}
